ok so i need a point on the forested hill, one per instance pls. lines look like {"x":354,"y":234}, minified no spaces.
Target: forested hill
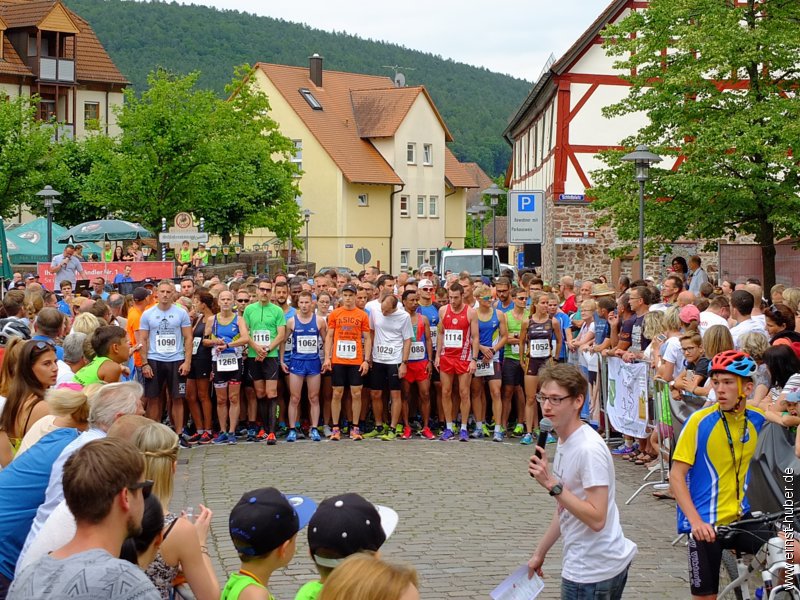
{"x":140,"y":36}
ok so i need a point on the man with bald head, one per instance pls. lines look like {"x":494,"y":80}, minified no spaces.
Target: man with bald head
{"x":566,"y":289}
{"x":685,"y":298}
{"x":758,"y":295}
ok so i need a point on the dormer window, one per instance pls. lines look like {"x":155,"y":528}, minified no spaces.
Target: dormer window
{"x":309,"y":97}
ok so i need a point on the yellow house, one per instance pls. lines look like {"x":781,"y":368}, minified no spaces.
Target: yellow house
{"x":48,"y":50}
{"x":376,"y":171}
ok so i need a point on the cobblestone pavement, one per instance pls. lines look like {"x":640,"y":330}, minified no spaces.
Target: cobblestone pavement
{"x":469,"y":513}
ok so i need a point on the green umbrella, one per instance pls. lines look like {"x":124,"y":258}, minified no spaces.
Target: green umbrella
{"x":5,"y":269}
{"x":30,"y":241}
{"x":105,"y":229}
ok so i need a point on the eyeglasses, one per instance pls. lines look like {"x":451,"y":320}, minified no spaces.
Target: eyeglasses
{"x":554,"y":400}
{"x":269,"y":289}
{"x":689,"y":348}
{"x":146,"y":486}
{"x":244,"y":301}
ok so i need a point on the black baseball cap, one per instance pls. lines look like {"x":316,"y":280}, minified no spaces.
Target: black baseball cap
{"x":140,"y":294}
{"x":349,"y":287}
{"x":263,"y":519}
{"x":346,"y":524}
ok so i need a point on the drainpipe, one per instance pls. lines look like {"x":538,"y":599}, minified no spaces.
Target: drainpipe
{"x":391,"y":225}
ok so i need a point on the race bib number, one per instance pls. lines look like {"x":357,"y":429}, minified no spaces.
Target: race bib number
{"x":261,"y":337}
{"x":386,"y":354}
{"x":166,"y":342}
{"x":346,"y":349}
{"x":417,"y":351}
{"x":227,"y":362}
{"x":434,"y":336}
{"x":287,"y":345}
{"x":484,"y":368}
{"x":540,"y":348}
{"x":196,"y":344}
{"x":453,"y":338}
{"x":514,"y":348}
{"x":307,"y":344}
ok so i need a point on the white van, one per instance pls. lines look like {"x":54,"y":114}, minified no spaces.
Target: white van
{"x":469,"y":260}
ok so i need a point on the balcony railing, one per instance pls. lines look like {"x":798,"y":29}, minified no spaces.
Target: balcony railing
{"x":57,"y":69}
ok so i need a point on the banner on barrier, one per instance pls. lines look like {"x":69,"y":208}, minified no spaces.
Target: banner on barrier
{"x":627,"y":397}
{"x":108,"y":270}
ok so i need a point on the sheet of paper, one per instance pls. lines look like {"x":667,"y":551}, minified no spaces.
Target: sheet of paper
{"x":518,"y":587}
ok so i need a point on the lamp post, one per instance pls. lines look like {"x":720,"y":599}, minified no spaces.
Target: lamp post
{"x":226,"y":250}
{"x":480,"y":211}
{"x":494,"y":192}
{"x":214,"y":250}
{"x":238,"y":250}
{"x":146,"y":251}
{"x":48,"y":194}
{"x":307,"y":217}
{"x":642,"y":158}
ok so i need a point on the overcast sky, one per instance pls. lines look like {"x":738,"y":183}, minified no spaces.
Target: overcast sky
{"x":509,"y":36}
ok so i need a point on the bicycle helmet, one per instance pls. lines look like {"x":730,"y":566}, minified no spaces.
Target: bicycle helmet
{"x":12,"y":327}
{"x":733,"y":361}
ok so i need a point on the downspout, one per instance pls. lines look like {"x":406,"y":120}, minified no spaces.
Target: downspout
{"x":391,"y":225}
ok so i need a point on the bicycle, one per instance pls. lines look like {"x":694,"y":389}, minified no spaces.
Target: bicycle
{"x":769,"y":560}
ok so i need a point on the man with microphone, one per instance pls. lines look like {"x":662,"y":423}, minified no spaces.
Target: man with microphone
{"x":65,"y":266}
{"x":596,"y":555}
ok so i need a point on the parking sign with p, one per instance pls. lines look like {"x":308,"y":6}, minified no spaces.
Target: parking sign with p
{"x":526,"y":217}
{"x":526,"y":203}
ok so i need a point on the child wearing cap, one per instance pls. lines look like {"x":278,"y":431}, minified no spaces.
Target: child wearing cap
{"x":342,"y":526}
{"x":784,"y":411}
{"x":263,"y":527}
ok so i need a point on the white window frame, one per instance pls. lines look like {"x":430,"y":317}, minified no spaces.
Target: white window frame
{"x":421,"y":201}
{"x":421,"y":260}
{"x":363,"y":200}
{"x":411,"y":153}
{"x":297,"y":157}
{"x":404,"y":256}
{"x":404,"y":202}
{"x":432,"y":257}
{"x":427,"y":155}
{"x":433,"y":207}
{"x":85,"y":106}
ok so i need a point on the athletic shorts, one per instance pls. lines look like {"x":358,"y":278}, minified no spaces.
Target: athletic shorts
{"x":416,"y":371}
{"x":201,"y":369}
{"x":535,"y":365}
{"x":305,"y":367}
{"x":494,"y":376}
{"x":223,"y":378}
{"x":453,"y":366}
{"x":165,"y":374}
{"x":384,"y":377}
{"x":264,"y":370}
{"x":512,"y":372}
{"x":347,"y":375}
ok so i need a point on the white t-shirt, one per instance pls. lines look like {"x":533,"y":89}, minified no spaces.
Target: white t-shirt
{"x":390,"y":332}
{"x":671,"y":351}
{"x":587,"y":359}
{"x":165,"y":338}
{"x":747,"y":326}
{"x":65,"y":374}
{"x":583,"y":461}
{"x":709,"y":319}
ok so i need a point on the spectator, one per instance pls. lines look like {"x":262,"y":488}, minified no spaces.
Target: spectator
{"x":366,"y":577}
{"x":68,"y":408}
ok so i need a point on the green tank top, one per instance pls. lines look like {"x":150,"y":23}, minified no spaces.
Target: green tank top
{"x":108,"y":255}
{"x":186,"y":255}
{"x":514,"y":328}
{"x":236,"y":584}
{"x":88,"y":374}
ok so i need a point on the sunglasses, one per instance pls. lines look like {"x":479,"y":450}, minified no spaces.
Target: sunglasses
{"x":44,"y":345}
{"x":245,"y":301}
{"x":269,"y":289}
{"x":146,"y":486}
{"x":427,"y":289}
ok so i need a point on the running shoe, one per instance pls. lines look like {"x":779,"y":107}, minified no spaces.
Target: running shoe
{"x":299,"y":432}
{"x":231,"y":439}
{"x":477,"y":433}
{"x":389,"y":436}
{"x":283,"y":430}
{"x":241,"y":433}
{"x":314,"y":434}
{"x":498,"y":436}
{"x":376,"y":432}
{"x":262,"y":435}
{"x":326,"y":431}
{"x":206,"y":438}
{"x":251,"y":434}
{"x":487,"y":432}
{"x":183,"y":441}
{"x":519,"y":430}
{"x":193,"y":439}
{"x":355,"y":434}
{"x":291,"y":436}
{"x":427,"y":433}
{"x":336,"y":435}
{"x":526,"y":440}
{"x":447,"y":435}
{"x":463,"y":436}
{"x":406,"y":433}
{"x":623,"y":450}
{"x":222,"y":438}
{"x":271,"y":439}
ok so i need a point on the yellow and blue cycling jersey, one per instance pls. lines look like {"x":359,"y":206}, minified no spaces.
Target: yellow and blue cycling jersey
{"x":714,"y":473}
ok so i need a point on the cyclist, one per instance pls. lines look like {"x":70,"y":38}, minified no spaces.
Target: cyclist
{"x":710,"y":466}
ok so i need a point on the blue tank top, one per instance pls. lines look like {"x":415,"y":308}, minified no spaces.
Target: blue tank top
{"x":229,"y":333}
{"x":432,"y":313}
{"x":288,"y":344}
{"x":305,"y":339}
{"x":489,"y":331}
{"x":499,"y":306}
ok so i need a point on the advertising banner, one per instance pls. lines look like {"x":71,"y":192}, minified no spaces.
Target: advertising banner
{"x":108,"y":270}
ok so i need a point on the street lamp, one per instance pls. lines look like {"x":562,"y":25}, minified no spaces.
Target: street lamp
{"x":642,"y":158}
{"x":146,"y":251}
{"x":307,"y":216}
{"x":48,"y":194}
{"x":480,"y":211}
{"x":238,"y":250}
{"x":226,"y":250}
{"x":214,"y":250}
{"x":494,"y":192}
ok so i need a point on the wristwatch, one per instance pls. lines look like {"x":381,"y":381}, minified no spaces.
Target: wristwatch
{"x":556,"y":489}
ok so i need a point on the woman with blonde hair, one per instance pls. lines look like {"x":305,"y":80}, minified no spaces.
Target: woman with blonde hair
{"x":364,"y":576}
{"x":69,"y":407}
{"x":791,"y":298}
{"x":756,"y":345}
{"x":183,"y":547}
{"x":716,"y":339}
{"x":86,"y":323}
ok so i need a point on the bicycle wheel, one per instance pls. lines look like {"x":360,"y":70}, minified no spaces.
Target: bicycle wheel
{"x":728,"y":572}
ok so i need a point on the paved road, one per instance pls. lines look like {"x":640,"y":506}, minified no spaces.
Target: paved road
{"x":469,"y":513}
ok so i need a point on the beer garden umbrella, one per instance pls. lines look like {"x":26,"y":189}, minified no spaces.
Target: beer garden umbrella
{"x":105,"y":230}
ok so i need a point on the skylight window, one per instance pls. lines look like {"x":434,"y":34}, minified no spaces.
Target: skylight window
{"x":309,"y":97}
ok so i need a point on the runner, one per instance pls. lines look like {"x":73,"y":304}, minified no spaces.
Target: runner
{"x":419,"y":363}
{"x":254,"y":433}
{"x":323,"y":311}
{"x":493,"y":333}
{"x":267,"y":327}
{"x":165,"y":334}
{"x":537,"y":352}
{"x":504,"y":301}
{"x":280,"y":295}
{"x":226,"y":334}
{"x":457,"y":356}
{"x":198,"y":395}
{"x":513,"y":376}
{"x":306,"y":331}
{"x":347,"y":356}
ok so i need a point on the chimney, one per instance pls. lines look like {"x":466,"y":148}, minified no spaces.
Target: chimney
{"x":315,"y":69}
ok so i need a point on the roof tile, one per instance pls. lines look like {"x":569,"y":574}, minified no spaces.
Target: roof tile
{"x":12,"y":64}
{"x":456,"y":173}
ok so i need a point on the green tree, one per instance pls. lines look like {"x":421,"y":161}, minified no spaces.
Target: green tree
{"x":722,"y":101}
{"x":25,"y":157}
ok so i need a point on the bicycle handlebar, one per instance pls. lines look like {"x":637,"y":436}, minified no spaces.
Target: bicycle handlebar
{"x":725,"y":531}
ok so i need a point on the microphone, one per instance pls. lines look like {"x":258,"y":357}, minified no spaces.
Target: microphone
{"x":545,"y":427}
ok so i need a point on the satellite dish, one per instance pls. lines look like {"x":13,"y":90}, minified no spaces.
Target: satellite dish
{"x":399,"y":80}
